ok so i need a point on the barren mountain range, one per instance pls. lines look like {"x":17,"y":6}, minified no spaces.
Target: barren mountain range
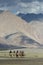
{"x":15,"y":32}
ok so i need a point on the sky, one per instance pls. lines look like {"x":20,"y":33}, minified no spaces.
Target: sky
{"x":22,"y":6}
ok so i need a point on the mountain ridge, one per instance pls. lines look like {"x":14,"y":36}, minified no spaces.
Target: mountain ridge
{"x":30,"y":16}
{"x":18,"y":32}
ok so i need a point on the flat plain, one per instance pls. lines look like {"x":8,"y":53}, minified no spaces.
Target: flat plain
{"x":32,"y":57}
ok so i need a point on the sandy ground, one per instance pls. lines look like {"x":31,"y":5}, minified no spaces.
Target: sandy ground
{"x":21,"y":61}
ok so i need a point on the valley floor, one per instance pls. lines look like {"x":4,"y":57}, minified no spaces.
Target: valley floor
{"x":38,"y":61}
{"x":32,"y":57}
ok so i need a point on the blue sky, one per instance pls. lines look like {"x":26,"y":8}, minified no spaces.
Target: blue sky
{"x":22,"y":6}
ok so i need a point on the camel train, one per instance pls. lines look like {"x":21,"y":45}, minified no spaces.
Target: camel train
{"x":16,"y":54}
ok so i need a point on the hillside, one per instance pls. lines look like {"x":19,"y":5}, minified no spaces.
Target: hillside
{"x":16,"y":32}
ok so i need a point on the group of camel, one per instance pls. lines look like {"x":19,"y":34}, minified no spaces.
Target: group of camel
{"x":16,"y":54}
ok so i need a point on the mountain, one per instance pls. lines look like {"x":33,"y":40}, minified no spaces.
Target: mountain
{"x":1,"y":11}
{"x":30,"y":17}
{"x":17,"y":33}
